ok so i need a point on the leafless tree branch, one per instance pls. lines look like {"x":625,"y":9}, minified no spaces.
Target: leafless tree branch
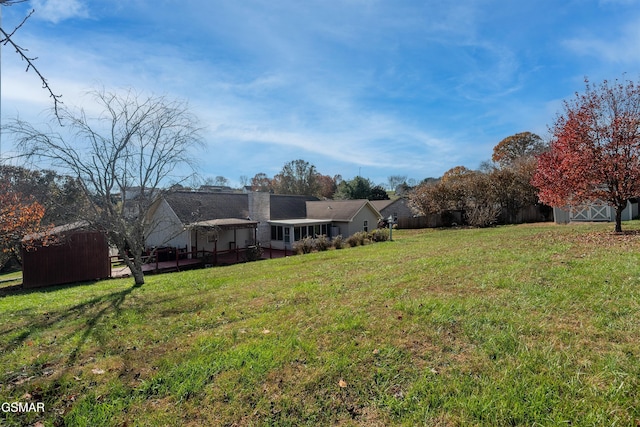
{"x":7,"y":39}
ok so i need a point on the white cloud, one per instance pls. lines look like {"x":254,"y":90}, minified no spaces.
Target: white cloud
{"x":59,"y":10}
{"x":621,"y":48}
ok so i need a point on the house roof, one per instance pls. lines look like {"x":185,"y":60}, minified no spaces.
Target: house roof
{"x":381,"y":204}
{"x":289,"y":206}
{"x":337,"y":210}
{"x":300,"y":221}
{"x":400,"y":205}
{"x":193,"y":206}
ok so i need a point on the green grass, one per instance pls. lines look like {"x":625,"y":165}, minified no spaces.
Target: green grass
{"x":518,"y":325}
{"x":10,"y":279}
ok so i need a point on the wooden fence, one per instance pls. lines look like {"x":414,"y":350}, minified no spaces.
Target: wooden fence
{"x":533,"y":213}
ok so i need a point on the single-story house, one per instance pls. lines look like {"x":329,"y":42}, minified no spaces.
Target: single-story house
{"x":194,"y":221}
{"x":397,"y":209}
{"x":197,"y":221}
{"x":594,"y":212}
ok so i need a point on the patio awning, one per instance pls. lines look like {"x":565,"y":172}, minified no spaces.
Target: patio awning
{"x":224,"y":223}
{"x":299,"y":222}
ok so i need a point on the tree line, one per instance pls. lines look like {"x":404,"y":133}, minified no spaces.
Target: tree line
{"x":302,"y":178}
{"x":500,"y":189}
{"x":140,"y":142}
{"x":143,"y":142}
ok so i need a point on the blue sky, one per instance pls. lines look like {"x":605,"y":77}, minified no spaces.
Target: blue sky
{"x":370,"y":87}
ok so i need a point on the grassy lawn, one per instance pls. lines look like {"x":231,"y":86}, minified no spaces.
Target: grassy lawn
{"x":10,"y":279}
{"x":518,"y":325}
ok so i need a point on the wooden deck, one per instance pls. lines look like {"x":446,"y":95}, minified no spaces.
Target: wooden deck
{"x":219,"y":259}
{"x":177,"y":265}
{"x":160,"y":267}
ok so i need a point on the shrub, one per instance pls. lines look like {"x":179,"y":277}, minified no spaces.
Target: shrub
{"x":379,"y":235}
{"x":322,"y":243}
{"x":304,"y":246}
{"x":338,"y":242}
{"x":253,"y":253}
{"x":483,"y":215}
{"x":357,"y":239}
{"x":352,"y":241}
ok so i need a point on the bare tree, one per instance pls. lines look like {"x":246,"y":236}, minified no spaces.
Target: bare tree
{"x":395,"y":180}
{"x":124,"y":157}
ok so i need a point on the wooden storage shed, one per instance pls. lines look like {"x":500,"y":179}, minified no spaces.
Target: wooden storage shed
{"x":77,"y":254}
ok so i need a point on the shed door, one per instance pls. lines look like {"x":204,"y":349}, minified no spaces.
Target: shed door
{"x":592,"y":213}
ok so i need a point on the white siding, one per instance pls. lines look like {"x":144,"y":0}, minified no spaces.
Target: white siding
{"x":166,"y":229}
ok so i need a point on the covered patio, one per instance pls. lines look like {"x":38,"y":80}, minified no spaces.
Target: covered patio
{"x":224,"y":240}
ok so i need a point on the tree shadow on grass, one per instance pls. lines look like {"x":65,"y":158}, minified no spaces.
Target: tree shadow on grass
{"x":55,"y":369}
{"x":30,"y":323}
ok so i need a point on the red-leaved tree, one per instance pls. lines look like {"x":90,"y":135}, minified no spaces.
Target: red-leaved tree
{"x":19,"y":216}
{"x":594,"y":153}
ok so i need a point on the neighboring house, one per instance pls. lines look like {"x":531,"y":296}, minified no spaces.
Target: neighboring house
{"x":397,"y":209}
{"x":405,"y":217}
{"x":75,"y":253}
{"x":594,"y":212}
{"x":326,"y":217}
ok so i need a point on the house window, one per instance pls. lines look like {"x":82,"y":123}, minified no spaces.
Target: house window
{"x":366,"y":225}
{"x":296,"y":234}
{"x":316,"y":230}
{"x":324,"y":230}
{"x":287,"y":235}
{"x":276,"y":232}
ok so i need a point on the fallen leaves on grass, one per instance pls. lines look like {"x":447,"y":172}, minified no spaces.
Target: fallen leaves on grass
{"x":598,"y":238}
